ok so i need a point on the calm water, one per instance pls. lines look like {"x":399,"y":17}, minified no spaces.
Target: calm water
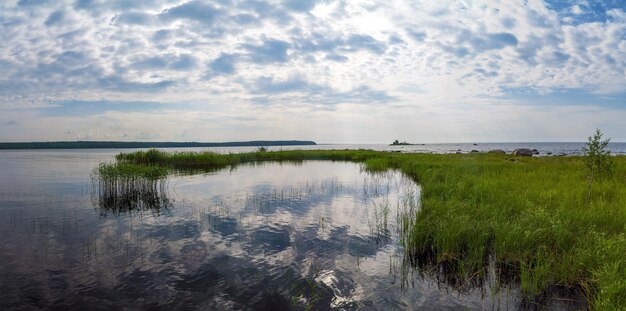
{"x":270,"y":236}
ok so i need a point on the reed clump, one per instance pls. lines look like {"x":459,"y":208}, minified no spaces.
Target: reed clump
{"x":532,"y":217}
{"x":123,"y":187}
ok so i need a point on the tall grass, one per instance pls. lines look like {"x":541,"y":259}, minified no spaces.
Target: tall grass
{"x":124,"y":187}
{"x":530,"y":216}
{"x":211,"y":160}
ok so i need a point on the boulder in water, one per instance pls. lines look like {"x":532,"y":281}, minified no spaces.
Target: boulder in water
{"x":524,"y":152}
{"x":500,"y":151}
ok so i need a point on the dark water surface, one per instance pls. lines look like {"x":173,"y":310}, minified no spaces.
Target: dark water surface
{"x":268,"y":236}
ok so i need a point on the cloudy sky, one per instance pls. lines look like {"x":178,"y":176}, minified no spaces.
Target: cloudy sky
{"x":330,"y":71}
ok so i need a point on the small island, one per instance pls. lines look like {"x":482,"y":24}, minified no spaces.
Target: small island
{"x":404,"y":143}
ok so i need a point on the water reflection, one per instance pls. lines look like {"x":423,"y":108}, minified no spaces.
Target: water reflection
{"x":317,"y":235}
{"x":125,"y":195}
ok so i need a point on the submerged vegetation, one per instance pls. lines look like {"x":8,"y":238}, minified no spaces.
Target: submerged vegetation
{"x":530,"y":217}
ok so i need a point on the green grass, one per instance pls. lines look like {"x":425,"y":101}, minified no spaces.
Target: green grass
{"x":211,"y":160}
{"x":127,"y":187}
{"x":533,"y":215}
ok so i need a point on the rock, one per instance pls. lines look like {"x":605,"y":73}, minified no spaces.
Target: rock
{"x":475,"y":144}
{"x":474,"y":150}
{"x":562,"y":154}
{"x":524,"y":152}
{"x":459,"y":152}
{"x":549,"y":153}
{"x":535,"y":151}
{"x":500,"y":151}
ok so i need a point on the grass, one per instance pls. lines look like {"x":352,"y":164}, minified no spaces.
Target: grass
{"x":211,"y":160}
{"x":126,"y":187}
{"x":531,"y":215}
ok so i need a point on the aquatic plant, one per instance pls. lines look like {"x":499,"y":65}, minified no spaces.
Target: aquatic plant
{"x":121,"y":188}
{"x":379,"y":221}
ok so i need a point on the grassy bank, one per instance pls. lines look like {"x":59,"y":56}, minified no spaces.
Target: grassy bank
{"x":533,"y":216}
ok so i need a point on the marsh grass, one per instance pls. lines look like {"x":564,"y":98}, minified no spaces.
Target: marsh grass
{"x":123,"y":188}
{"x":532,"y":216}
{"x":379,"y":221}
{"x":210,"y":160}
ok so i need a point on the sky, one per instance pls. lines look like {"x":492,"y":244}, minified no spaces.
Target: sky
{"x":330,"y":71}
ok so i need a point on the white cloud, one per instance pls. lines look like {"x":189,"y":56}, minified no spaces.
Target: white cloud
{"x":576,"y":9}
{"x":329,"y":55}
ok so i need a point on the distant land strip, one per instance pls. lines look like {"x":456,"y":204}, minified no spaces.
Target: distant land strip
{"x":137,"y":144}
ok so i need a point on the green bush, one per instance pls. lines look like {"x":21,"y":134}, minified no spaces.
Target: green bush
{"x":597,"y":159}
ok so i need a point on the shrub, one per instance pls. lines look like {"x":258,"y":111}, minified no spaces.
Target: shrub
{"x":597,"y":159}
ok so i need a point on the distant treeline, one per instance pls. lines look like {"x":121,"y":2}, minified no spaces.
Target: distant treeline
{"x":124,"y":144}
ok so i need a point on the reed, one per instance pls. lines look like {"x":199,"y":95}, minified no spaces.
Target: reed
{"x":122,"y":188}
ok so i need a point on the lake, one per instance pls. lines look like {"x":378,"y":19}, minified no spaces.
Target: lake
{"x":268,"y":236}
